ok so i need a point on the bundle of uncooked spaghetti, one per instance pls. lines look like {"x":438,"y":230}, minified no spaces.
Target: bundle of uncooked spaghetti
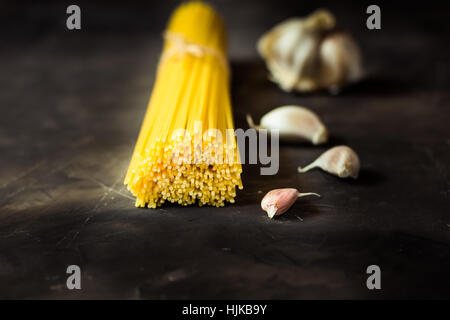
{"x":186,"y":151}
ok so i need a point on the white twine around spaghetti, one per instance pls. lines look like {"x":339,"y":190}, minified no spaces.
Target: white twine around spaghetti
{"x":182,"y":46}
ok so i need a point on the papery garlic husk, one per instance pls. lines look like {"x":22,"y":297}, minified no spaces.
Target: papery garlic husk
{"x":278,"y":201}
{"x":341,"y":161}
{"x":293,"y":123}
{"x":307,"y":54}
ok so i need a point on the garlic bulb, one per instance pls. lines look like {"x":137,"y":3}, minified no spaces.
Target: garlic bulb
{"x":307,"y":54}
{"x":293,"y":123}
{"x":341,"y":161}
{"x":278,"y":201}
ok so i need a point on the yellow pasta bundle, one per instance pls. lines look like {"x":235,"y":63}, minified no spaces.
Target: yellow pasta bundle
{"x":186,"y":151}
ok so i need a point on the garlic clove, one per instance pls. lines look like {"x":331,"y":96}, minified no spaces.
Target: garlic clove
{"x":341,"y":61}
{"x":341,"y":161}
{"x":293,"y":123}
{"x":307,"y":54}
{"x":278,"y":201}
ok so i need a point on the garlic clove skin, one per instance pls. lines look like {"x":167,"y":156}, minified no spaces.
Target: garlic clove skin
{"x":294,"y":123}
{"x":307,"y":54}
{"x":278,"y":201}
{"x":341,"y":161}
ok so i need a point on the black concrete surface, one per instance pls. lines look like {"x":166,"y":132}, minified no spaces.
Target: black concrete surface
{"x":71,"y":107}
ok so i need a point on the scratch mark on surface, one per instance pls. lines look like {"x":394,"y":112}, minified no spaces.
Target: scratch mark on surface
{"x":73,"y":238}
{"x":327,"y":206}
{"x":15,"y":232}
{"x":94,"y":210}
{"x":113,"y":234}
{"x":110,"y":189}
{"x":289,"y":258}
{"x":25,"y":186}
{"x":23,"y":174}
{"x":47,"y":194}
{"x":61,"y":240}
{"x":48,"y":162}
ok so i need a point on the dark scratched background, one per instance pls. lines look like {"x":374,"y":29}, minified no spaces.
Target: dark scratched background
{"x":71,"y":106}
